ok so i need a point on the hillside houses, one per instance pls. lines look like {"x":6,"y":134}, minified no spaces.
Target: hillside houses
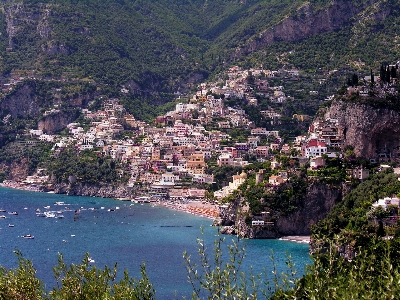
{"x":175,"y":153}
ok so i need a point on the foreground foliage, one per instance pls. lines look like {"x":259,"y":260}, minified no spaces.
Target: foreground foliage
{"x":81,"y":281}
{"x":215,"y":274}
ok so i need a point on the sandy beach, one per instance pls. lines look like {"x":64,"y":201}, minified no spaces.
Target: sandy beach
{"x":199,"y":208}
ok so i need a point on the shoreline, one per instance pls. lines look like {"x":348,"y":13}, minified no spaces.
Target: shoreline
{"x":194,"y":207}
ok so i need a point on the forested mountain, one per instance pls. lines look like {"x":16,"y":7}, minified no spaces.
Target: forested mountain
{"x":165,"y":45}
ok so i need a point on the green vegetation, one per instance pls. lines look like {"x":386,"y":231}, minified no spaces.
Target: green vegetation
{"x":160,"y":46}
{"x":372,"y":274}
{"x":355,"y":247}
{"x":81,"y":281}
{"x":87,"y":167}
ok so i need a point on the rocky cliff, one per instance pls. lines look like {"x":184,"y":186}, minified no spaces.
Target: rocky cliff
{"x":22,"y":102}
{"x":55,"y":122}
{"x":97,"y":190}
{"x":369,"y":130}
{"x":16,"y":170}
{"x":308,"y":21}
{"x":319,"y":201}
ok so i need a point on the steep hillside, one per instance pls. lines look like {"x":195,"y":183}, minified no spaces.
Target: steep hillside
{"x":153,"y":46}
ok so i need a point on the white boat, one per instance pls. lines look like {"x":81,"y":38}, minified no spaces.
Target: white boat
{"x":91,"y":260}
{"x":59,"y":203}
{"x":49,"y":214}
{"x":46,"y":207}
{"x":3,"y":217}
{"x":28,"y":236}
{"x":13,"y":213}
{"x":10,"y":225}
{"x":2,"y":210}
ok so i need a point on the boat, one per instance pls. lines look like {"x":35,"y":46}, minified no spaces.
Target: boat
{"x":59,"y":203}
{"x":13,"y":213}
{"x":2,"y":210}
{"x":3,"y":217}
{"x":10,"y":225}
{"x":49,"y":214}
{"x":40,"y":214}
{"x":46,"y":207}
{"x":91,"y":260}
{"x":28,"y":236}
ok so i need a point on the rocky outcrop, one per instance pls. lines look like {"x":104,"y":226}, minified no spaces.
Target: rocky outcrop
{"x":17,"y":170}
{"x":96,"y":190}
{"x":307,"y":21}
{"x":368,"y":130}
{"x":22,"y":101}
{"x":318,"y":203}
{"x":56,"y":122}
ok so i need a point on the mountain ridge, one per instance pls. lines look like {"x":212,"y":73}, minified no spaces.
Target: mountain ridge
{"x":164,"y":45}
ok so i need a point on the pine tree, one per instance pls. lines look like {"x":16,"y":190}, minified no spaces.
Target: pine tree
{"x":382,"y":73}
{"x":372,"y":78}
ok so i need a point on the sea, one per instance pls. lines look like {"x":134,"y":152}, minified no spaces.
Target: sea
{"x":126,"y":233}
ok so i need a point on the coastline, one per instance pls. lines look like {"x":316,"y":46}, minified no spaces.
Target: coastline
{"x":195,"y":207}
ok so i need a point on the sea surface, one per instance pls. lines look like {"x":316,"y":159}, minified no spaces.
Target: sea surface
{"x":113,"y":231}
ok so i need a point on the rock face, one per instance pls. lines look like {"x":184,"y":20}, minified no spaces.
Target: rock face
{"x":104,"y":191}
{"x":55,"y":122}
{"x":16,"y":170}
{"x":369,"y":130}
{"x":319,"y":201}
{"x":307,"y":21}
{"x":22,"y":102}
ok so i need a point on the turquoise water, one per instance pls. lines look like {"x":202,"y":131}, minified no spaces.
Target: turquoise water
{"x":128,"y":236}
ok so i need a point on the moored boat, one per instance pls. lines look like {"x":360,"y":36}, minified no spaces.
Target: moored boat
{"x":28,"y":236}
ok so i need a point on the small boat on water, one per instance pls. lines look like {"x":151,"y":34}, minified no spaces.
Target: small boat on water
{"x":28,"y":236}
{"x":3,"y":217}
{"x":91,"y":260}
{"x":10,"y":225}
{"x":40,"y":214}
{"x":49,"y":214}
{"x":2,"y":210}
{"x":13,"y":213}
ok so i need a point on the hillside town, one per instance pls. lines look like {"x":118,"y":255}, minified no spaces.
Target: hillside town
{"x":171,"y":158}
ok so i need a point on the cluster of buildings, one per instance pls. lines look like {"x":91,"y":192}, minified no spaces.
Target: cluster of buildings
{"x":170,"y":158}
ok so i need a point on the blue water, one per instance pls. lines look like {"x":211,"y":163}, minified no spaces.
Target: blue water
{"x":128,"y":236}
